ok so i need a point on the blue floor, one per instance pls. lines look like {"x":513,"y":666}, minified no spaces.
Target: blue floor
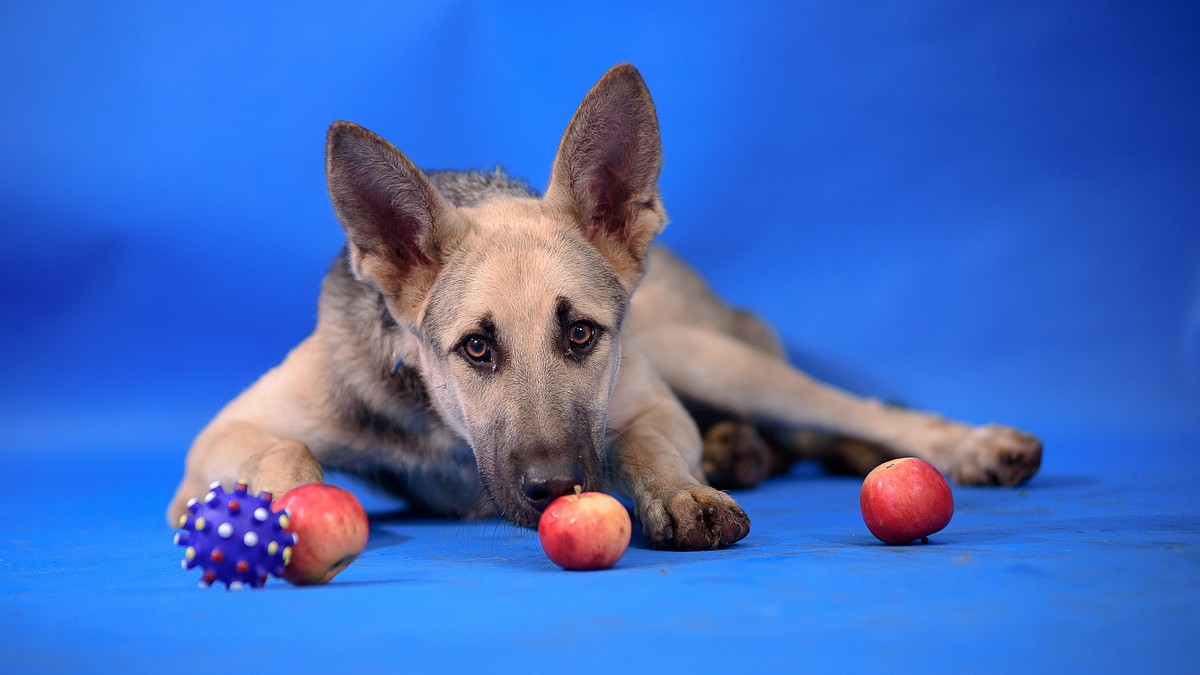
{"x":1080,"y":570}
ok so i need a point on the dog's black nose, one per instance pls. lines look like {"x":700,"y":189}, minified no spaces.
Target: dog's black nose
{"x":544,"y":483}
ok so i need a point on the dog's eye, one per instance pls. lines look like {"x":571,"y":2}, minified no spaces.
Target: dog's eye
{"x":478,"y":349}
{"x":580,"y":335}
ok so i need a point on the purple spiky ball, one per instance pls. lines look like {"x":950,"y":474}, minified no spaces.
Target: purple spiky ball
{"x":235,"y":537}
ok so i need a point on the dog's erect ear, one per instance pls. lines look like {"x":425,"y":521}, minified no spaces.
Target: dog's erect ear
{"x":605,"y":176}
{"x":397,"y":224}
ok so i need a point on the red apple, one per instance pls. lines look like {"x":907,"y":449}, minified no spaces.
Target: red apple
{"x":904,"y":500}
{"x":331,"y":527}
{"x":585,"y":531}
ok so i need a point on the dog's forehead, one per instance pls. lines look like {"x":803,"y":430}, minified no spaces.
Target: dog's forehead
{"x":515,"y":269}
{"x":512,"y":215}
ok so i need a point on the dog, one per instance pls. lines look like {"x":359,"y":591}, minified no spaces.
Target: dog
{"x":481,"y":349}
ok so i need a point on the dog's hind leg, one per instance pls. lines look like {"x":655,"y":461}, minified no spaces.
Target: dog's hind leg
{"x":738,"y":453}
{"x":728,"y":374}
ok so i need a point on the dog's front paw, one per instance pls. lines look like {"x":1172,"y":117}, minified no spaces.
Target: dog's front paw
{"x":996,"y":455}
{"x":693,"y":519}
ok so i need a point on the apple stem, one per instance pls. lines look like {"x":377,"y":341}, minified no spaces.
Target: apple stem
{"x":578,"y":490}
{"x":924,"y":540}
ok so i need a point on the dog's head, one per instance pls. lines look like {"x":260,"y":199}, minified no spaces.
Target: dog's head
{"x":517,"y":302}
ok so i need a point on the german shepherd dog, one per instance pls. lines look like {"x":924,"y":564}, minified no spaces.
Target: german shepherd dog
{"x":481,"y":349}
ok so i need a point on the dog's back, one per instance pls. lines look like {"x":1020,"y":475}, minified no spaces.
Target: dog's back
{"x":472,"y":188}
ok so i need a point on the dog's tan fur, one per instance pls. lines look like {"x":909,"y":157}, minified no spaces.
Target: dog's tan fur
{"x":439,"y":266}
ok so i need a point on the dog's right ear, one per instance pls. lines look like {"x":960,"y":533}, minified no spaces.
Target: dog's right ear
{"x":397,"y":224}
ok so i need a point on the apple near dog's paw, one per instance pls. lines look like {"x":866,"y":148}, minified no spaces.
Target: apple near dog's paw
{"x":906,"y":499}
{"x":331,"y":527}
{"x":585,"y":530}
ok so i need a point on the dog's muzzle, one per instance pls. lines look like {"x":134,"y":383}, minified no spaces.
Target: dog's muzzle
{"x":545,"y":482}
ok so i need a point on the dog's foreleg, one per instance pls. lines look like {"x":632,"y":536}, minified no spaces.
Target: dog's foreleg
{"x":725,"y":373}
{"x":240,"y":451}
{"x":254,"y":438}
{"x":655,"y":457}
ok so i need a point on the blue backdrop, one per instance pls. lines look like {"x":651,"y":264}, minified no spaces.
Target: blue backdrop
{"x":989,"y":209}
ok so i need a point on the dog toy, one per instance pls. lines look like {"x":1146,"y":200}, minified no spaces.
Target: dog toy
{"x":235,"y":538}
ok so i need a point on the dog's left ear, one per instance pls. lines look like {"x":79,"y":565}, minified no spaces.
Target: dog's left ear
{"x":605,"y":176}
